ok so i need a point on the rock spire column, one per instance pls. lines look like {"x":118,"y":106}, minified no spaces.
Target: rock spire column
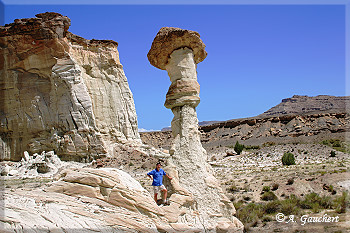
{"x":178,"y":52}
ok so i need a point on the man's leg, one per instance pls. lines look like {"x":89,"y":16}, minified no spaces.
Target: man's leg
{"x":155,"y":197}
{"x":165,"y":193}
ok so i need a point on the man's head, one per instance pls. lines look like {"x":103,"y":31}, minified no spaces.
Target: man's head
{"x":158,"y":165}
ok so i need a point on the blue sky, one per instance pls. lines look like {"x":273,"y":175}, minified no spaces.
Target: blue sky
{"x":257,"y":54}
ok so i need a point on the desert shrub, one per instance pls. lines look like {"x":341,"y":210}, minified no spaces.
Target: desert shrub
{"x":268,"y":196}
{"x":251,"y":147}
{"x":249,"y":213}
{"x":266,"y":189}
{"x":315,"y":202}
{"x":288,"y":159}
{"x":337,"y":145}
{"x":233,"y":188}
{"x":272,"y":207}
{"x":267,"y":144}
{"x":331,"y":188}
{"x":341,"y":203}
{"x":332,"y":153}
{"x":246,"y":198}
{"x":238,"y":204}
{"x":290,"y":206}
{"x":290,"y":181}
{"x":326,"y":202}
{"x":323,"y":173}
{"x":267,"y":219}
{"x":332,"y":142}
{"x":275,"y":187}
{"x":325,"y":142}
{"x":238,"y":148}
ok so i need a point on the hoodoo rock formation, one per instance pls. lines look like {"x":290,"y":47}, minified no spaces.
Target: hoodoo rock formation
{"x":60,"y":92}
{"x":178,"y":51}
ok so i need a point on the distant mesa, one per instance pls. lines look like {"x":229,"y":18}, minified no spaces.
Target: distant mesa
{"x":299,"y":119}
{"x":300,"y":104}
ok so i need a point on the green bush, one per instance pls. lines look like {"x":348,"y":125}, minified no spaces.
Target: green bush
{"x":238,"y":148}
{"x":332,"y":153}
{"x":315,"y":202}
{"x":272,"y":207}
{"x":341,"y":203}
{"x":267,"y":144}
{"x":290,"y":206}
{"x":288,"y":159}
{"x":249,"y":213}
{"x":233,"y":189}
{"x":268,"y":196}
{"x":246,"y":198}
{"x":266,"y":188}
{"x":331,"y":188}
{"x":337,"y":145}
{"x":267,"y":219}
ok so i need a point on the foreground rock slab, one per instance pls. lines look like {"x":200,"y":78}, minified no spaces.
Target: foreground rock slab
{"x":86,"y":200}
{"x":91,"y":200}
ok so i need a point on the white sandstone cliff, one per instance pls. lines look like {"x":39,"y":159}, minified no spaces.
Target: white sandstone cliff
{"x":61,"y":92}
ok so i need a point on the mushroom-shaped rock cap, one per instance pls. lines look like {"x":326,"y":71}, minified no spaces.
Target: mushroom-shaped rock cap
{"x":169,"y":39}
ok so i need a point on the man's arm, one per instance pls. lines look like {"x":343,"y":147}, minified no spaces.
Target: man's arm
{"x":150,"y":175}
{"x":170,"y":178}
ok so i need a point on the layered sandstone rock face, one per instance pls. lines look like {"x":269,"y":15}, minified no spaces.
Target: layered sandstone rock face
{"x":84,"y":200}
{"x":61,"y":92}
{"x":94,"y":200}
{"x":204,"y":206}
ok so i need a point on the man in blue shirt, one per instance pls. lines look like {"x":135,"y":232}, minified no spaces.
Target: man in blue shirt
{"x":157,"y":177}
